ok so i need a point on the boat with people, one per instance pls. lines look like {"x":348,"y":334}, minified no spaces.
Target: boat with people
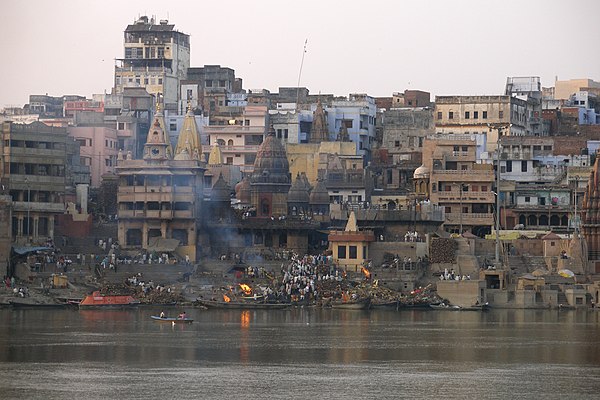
{"x":173,"y":320}
{"x":97,"y":300}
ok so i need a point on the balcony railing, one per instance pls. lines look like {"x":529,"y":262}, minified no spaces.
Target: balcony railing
{"x":470,"y":218}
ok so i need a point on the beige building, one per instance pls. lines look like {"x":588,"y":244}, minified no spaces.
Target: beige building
{"x":457,"y":183}
{"x":156,"y":58}
{"x":564,"y":89}
{"x":309,"y":158}
{"x":350,"y":247}
{"x":474,"y":114}
{"x":159,"y":197}
{"x":239,"y":134}
{"x":98,"y":149}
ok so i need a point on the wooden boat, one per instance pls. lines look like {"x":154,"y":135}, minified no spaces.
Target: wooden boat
{"x":360,"y":304}
{"x":97,"y":300}
{"x":172,"y":320}
{"x":444,"y":306}
{"x":387,"y":305}
{"x":33,"y":304}
{"x":242,"y":305}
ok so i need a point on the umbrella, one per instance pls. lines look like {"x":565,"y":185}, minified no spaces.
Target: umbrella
{"x":566,"y":273}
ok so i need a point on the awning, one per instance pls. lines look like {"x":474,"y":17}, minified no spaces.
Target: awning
{"x":160,"y":244}
{"x":22,"y":250}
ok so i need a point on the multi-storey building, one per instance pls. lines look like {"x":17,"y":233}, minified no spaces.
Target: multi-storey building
{"x":474,"y":114}
{"x":98,"y":149}
{"x":36,"y":173}
{"x":156,"y":58}
{"x":159,"y":196}
{"x":564,"y":89}
{"x":458,"y":183}
{"x":356,"y":116}
{"x":238,"y":131}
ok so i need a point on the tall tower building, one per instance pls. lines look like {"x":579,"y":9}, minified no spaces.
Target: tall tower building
{"x":156,"y":57}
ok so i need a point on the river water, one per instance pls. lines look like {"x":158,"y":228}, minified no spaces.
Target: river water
{"x":300,"y":353}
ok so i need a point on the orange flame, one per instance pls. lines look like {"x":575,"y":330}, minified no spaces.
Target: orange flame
{"x":245,"y":288}
{"x":226,"y":298}
{"x":366,"y":272}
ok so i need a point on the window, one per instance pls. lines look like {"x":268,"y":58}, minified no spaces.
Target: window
{"x":467,"y":114}
{"x":484,"y":115}
{"x":448,"y":210}
{"x":527,"y":199}
{"x":450,"y":115}
{"x":221,"y":83}
{"x":439,"y":115}
{"x":341,"y":251}
{"x":120,"y":126}
{"x":160,"y":81}
{"x":464,"y":167}
{"x":474,"y":188}
{"x":353,"y":253}
{"x":465,"y":148}
{"x":246,"y":122}
{"x":420,"y":142}
{"x":509,"y":166}
{"x":189,"y":94}
{"x":106,"y":143}
{"x":278,"y":133}
{"x":172,"y":127}
{"x":523,"y":166}
{"x":475,"y":114}
{"x":500,"y":114}
{"x":547,"y":147}
{"x":229,"y":161}
{"x":537,"y":148}
{"x":285,"y":133}
{"x":396,"y":143}
{"x":208,"y":83}
{"x":484,"y":188}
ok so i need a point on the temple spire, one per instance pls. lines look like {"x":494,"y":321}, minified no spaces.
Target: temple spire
{"x":189,"y":137}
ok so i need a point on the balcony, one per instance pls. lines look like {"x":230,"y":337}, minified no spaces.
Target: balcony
{"x":251,"y":148}
{"x":469,"y":219}
{"x":233,"y":129}
{"x":455,"y":196}
{"x":463,"y":175}
{"x":34,"y":206}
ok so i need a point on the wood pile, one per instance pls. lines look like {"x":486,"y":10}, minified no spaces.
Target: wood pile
{"x":443,"y":251}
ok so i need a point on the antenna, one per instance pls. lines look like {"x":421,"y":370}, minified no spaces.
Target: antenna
{"x":299,"y":75}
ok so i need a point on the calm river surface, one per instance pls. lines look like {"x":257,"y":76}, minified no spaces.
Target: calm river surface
{"x":300,"y":353}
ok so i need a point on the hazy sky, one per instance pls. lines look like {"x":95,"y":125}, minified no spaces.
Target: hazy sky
{"x":375,"y":47}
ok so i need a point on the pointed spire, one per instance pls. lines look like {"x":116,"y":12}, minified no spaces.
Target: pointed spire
{"x":189,"y":137}
{"x":161,"y":121}
{"x":352,"y":225}
{"x":215,"y":157}
{"x":319,"y":130}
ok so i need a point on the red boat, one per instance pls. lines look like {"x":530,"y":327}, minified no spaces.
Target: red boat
{"x":98,"y":300}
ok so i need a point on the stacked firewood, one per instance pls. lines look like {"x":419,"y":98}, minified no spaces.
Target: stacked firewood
{"x":443,"y":250}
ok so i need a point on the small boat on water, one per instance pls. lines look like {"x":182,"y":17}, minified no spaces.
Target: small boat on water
{"x":242,"y":305}
{"x":449,"y":307}
{"x":360,"y":304}
{"x":99,"y":301}
{"x":172,"y":320}
{"x":34,"y":304}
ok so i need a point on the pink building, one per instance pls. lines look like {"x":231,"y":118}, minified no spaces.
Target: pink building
{"x":99,"y":148}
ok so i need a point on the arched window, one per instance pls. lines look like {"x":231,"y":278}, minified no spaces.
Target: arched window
{"x":230,"y":142}
{"x":532,"y":220}
{"x":220,"y":142}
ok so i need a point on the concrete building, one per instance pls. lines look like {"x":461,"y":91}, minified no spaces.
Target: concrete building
{"x":238,"y":131}
{"x":160,"y":196}
{"x":564,"y":89}
{"x":458,"y":183}
{"x":156,"y":58}
{"x":98,"y":149}
{"x":473,"y":114}
{"x":356,"y":116}
{"x":36,"y":174}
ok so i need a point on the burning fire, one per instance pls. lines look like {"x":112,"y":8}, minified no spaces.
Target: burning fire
{"x":226,"y":298}
{"x":245,"y":288}
{"x":366,"y":272}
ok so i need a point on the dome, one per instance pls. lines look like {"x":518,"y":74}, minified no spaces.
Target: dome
{"x":242,"y":191}
{"x":298,"y":192}
{"x":421,"y":173}
{"x":220,"y":191}
{"x":319,"y":195}
{"x":271,"y":164}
